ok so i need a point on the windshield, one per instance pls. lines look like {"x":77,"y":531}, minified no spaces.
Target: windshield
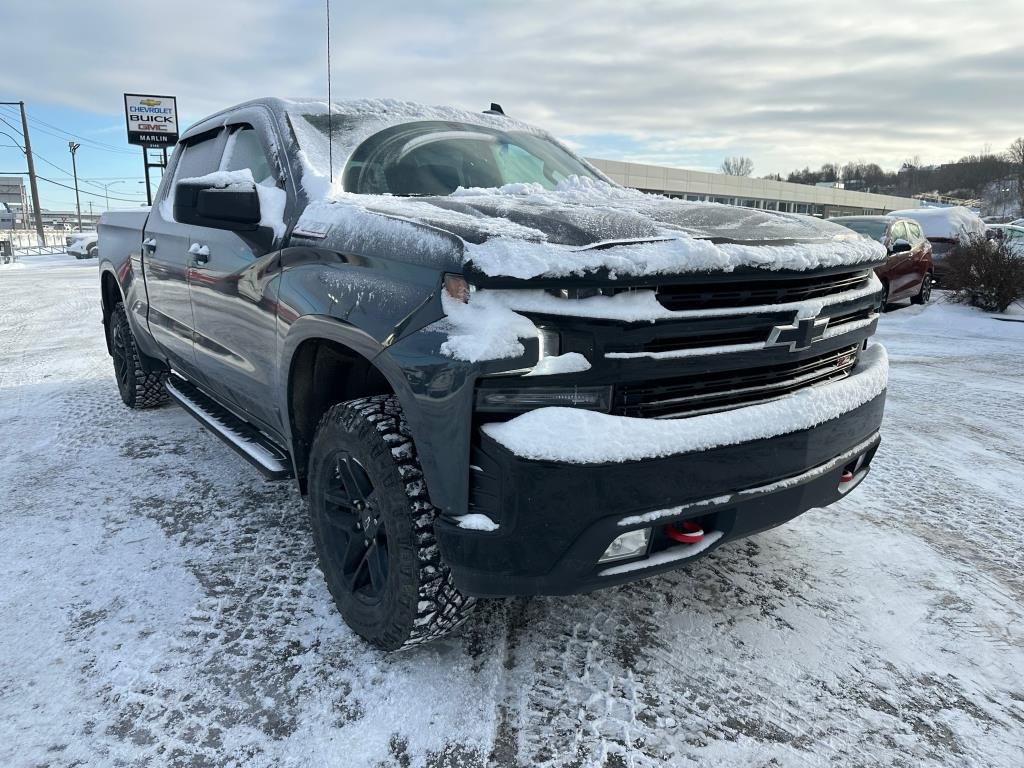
{"x":873,"y":228}
{"x":436,"y":158}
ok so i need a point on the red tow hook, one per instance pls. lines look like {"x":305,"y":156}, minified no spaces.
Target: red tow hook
{"x":686,"y":532}
{"x":846,"y":477}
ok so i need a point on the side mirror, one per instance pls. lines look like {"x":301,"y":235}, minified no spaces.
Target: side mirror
{"x":234,"y":207}
{"x":898,"y":246}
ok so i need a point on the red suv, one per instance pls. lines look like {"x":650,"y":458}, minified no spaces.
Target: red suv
{"x":909,"y":271}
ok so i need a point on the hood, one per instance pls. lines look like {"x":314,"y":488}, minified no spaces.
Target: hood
{"x":562,"y":220}
{"x":525,"y":231}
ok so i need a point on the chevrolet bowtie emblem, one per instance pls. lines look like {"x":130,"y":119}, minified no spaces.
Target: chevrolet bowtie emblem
{"x":798,"y":336}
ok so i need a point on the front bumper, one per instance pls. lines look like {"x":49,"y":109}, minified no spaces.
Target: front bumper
{"x":556,"y":519}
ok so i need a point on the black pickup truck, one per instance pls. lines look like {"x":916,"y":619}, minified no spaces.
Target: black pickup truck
{"x":493,"y":371}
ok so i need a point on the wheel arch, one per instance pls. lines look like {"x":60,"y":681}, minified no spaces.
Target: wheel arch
{"x":326,"y":362}
{"x":110,"y":297}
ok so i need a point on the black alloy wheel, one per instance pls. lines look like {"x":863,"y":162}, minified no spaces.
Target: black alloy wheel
{"x":354,"y":535}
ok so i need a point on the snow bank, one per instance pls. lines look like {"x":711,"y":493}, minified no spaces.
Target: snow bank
{"x":577,"y":436}
{"x":944,"y":222}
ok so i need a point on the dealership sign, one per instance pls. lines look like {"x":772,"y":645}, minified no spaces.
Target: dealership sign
{"x":152,"y":120}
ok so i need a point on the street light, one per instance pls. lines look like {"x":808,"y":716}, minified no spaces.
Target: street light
{"x":106,"y":190}
{"x":72,"y":148}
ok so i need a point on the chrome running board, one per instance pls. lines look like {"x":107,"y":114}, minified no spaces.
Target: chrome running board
{"x":251,"y":444}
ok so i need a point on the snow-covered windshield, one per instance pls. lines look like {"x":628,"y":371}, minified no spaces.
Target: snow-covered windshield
{"x":437,"y":157}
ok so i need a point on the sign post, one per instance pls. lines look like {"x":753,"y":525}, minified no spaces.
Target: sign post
{"x":152,"y":122}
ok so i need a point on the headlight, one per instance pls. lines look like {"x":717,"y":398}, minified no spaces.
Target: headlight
{"x":517,"y":399}
{"x":457,"y":287}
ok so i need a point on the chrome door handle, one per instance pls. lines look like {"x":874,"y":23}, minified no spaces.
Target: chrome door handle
{"x":200,"y":253}
{"x":149,"y":244}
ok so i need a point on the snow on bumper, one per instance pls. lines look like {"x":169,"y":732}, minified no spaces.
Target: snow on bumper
{"x":575,"y":436}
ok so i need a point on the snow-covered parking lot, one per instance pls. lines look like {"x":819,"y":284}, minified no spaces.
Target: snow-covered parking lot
{"x":160,"y":603}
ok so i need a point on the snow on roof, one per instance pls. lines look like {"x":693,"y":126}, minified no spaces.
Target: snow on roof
{"x":944,"y":222}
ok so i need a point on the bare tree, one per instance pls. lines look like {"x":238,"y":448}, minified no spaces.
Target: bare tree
{"x":1015,"y":154}
{"x":737,"y":166}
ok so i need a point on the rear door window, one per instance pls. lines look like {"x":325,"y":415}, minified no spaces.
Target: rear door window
{"x":898,"y":232}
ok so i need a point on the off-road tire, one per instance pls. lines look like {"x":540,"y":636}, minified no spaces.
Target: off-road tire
{"x":93,"y":252}
{"x":925,"y":294}
{"x":138,"y":388}
{"x":418,"y":600}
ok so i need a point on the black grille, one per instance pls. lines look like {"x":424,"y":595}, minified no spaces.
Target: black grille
{"x":709,"y":333}
{"x":746,"y":292}
{"x":707,"y":392}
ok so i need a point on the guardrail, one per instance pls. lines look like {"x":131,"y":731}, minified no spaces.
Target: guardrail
{"x":16,"y":244}
{"x":38,"y":250}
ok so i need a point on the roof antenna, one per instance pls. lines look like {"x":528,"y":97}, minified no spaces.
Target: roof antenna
{"x":494,"y":110}
{"x":330,"y":109}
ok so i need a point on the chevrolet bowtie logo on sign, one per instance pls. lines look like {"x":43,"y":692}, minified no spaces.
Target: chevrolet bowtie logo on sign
{"x":798,"y":336}
{"x":152,"y":120}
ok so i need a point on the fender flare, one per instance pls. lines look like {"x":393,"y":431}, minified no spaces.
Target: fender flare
{"x":349,"y":336}
{"x":107,"y":269}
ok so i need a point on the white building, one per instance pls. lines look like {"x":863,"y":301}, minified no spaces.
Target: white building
{"x":753,"y":193}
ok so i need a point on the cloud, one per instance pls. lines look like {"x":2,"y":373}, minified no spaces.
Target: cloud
{"x":787,"y":83}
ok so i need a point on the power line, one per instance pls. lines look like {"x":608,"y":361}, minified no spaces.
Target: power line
{"x":9,"y":125}
{"x":60,"y":133}
{"x":86,"y":192}
{"x":59,"y":168}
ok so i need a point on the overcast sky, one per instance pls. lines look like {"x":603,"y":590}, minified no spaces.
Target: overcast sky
{"x":788,"y":84}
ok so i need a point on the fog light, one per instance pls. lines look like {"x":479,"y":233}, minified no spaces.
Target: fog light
{"x":630,"y":544}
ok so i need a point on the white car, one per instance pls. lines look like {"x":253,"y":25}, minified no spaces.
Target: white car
{"x":83,"y":245}
{"x":1012,"y":235}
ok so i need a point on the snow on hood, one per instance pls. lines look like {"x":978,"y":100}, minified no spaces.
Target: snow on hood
{"x":525,"y":231}
{"x":944,"y":222}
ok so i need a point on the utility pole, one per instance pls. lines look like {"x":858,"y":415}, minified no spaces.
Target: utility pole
{"x":31,"y":168}
{"x":73,"y":147}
